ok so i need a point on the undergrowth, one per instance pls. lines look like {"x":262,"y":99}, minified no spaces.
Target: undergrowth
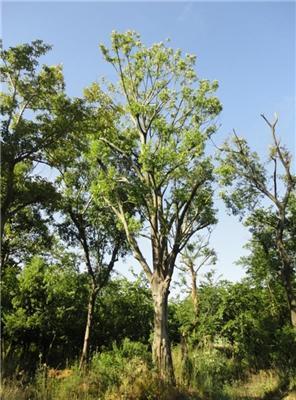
{"x":126,"y":373}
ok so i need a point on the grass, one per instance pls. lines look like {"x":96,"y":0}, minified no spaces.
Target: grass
{"x":126,"y":373}
{"x":256,"y":386}
{"x":141,"y":384}
{"x":137,"y":383}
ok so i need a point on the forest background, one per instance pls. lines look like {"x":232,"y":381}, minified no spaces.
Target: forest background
{"x":227,"y":331}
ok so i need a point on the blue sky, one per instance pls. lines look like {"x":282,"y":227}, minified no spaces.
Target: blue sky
{"x":249,"y":47}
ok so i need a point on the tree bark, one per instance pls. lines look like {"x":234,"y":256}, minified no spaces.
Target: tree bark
{"x":88,"y":327}
{"x":161,"y":349}
{"x":8,"y":199}
{"x":293,"y":312}
{"x":290,"y":293}
{"x":287,"y":269}
{"x":194,"y":295}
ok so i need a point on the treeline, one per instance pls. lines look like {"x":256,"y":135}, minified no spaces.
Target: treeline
{"x":240,"y":326}
{"x":45,"y":313}
{"x":86,"y":181}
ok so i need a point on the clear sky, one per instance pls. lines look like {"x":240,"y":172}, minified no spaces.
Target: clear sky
{"x":249,"y":47}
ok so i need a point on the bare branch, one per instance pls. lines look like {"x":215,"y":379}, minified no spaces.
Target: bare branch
{"x":131,"y":239}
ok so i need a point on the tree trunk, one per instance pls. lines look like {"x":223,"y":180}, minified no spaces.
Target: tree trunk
{"x":194,"y":295}
{"x":161,"y":349}
{"x":287,"y":275}
{"x":90,"y":313}
{"x":293,"y":313}
{"x":290,"y":292}
{"x":8,"y":199}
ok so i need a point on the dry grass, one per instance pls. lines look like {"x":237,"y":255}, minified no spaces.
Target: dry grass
{"x":291,"y":396}
{"x":257,"y":386}
{"x":13,"y":391}
{"x":59,"y":373}
{"x":138,"y":382}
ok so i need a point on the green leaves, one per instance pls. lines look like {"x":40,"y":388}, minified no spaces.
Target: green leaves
{"x":241,"y":171}
{"x":47,"y":309}
{"x":149,"y":165}
{"x":39,"y":125}
{"x":22,"y":59}
{"x":265,"y":191}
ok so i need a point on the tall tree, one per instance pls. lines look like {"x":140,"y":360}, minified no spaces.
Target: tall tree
{"x":267,"y":192}
{"x":151,"y":159}
{"x":92,"y":228}
{"x":36,"y":117}
{"x":196,"y":256}
{"x":46,"y":311}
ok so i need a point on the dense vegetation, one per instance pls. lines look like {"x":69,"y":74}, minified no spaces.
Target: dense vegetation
{"x":127,"y":166}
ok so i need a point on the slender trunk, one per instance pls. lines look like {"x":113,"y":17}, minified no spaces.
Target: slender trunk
{"x":2,"y":224}
{"x":161,"y":349}
{"x":290,"y":293}
{"x":194,"y":295}
{"x":88,"y":327}
{"x":8,"y":198}
{"x":287,"y":274}
{"x":293,"y":312}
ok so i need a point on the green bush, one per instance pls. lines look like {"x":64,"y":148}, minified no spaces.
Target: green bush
{"x":111,"y":365}
{"x":204,"y":369}
{"x":129,"y":349}
{"x":284,"y":352}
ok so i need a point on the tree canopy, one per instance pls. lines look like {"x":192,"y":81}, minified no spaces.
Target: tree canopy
{"x":130,"y":173}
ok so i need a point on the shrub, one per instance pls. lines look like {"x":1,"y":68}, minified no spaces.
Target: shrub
{"x":204,"y":369}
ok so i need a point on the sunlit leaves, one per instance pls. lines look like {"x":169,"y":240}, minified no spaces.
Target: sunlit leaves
{"x":241,"y":171}
{"x":263,"y":191}
{"x":152,"y":158}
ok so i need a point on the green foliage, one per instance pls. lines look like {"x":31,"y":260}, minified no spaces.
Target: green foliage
{"x":46,"y":314}
{"x":243,"y":321}
{"x":45,"y":311}
{"x":241,"y":170}
{"x":155,"y":145}
{"x":264,"y":262}
{"x":265,"y":191}
{"x":124,"y":310}
{"x":131,"y":156}
{"x":284,"y":352}
{"x":123,"y":372}
{"x":111,"y":365}
{"x":205,"y":370}
{"x":153,"y":171}
{"x":37,"y":118}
